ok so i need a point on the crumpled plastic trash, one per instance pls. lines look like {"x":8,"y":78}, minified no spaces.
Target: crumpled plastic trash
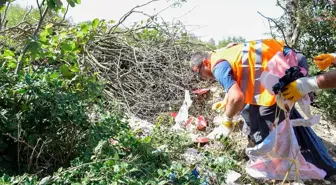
{"x":306,"y":122}
{"x":304,"y":105}
{"x":192,"y":156}
{"x":200,"y":91}
{"x":182,"y":116}
{"x":194,"y":124}
{"x":144,"y":126}
{"x":231,"y":177}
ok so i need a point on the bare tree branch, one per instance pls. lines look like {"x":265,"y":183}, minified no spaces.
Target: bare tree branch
{"x":66,"y":12}
{"x":3,"y":19}
{"x":124,"y":17}
{"x":25,"y":49}
{"x":278,"y":26}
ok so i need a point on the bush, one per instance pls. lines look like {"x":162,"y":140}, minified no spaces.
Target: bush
{"x":44,"y":117}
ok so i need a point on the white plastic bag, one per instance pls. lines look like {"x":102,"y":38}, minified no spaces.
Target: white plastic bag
{"x":182,"y":116}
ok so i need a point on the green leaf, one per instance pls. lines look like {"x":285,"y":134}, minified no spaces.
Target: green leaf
{"x":84,"y":28}
{"x":95,"y":23}
{"x":74,"y":68}
{"x":8,"y":54}
{"x":72,"y":3}
{"x":11,"y":64}
{"x":21,"y":91}
{"x":77,"y":1}
{"x":45,"y":180}
{"x":63,"y":10}
{"x":65,"y":71}
{"x":50,"y":25}
{"x":28,"y":79}
{"x":51,"y":4}
{"x":34,"y":49}
{"x":66,"y":46}
{"x":2,"y":8}
{"x":54,"y":75}
{"x":160,"y":172}
{"x":163,"y":182}
{"x":116,"y":168}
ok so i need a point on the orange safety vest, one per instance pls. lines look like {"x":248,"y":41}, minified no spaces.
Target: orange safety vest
{"x":248,"y":60}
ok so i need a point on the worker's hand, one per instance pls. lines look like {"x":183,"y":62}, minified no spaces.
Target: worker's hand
{"x":323,"y":61}
{"x":220,"y":106}
{"x":224,"y":129}
{"x":297,"y":89}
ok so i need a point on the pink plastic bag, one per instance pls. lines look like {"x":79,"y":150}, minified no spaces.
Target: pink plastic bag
{"x":271,"y":159}
{"x":280,"y":63}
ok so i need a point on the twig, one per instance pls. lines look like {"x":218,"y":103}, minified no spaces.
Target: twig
{"x":124,"y":17}
{"x":39,"y":6}
{"x":32,"y":154}
{"x":66,"y":12}
{"x":3,"y":19}
{"x":18,"y":67}
{"x":283,"y":8}
{"x":279,"y":27}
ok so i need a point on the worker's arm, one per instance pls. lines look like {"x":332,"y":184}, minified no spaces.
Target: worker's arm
{"x":295,"y":90}
{"x":327,"y":80}
{"x":235,"y":102}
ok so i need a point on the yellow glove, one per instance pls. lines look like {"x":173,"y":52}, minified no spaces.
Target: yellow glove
{"x":228,"y":124}
{"x":323,"y":61}
{"x":292,"y":92}
{"x":219,"y":106}
{"x":297,"y":89}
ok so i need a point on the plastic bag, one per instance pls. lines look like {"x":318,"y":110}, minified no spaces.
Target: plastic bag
{"x":182,"y":116}
{"x":273,"y":158}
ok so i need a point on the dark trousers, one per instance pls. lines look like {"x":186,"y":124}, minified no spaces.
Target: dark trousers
{"x":260,"y":120}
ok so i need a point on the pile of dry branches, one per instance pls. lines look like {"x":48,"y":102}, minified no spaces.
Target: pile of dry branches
{"x":145,"y":72}
{"x":148,"y":76}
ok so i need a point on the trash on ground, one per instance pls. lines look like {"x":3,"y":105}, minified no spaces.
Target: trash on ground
{"x":201,"y":91}
{"x":231,"y":177}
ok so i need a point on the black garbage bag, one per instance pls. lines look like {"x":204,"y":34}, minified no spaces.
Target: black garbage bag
{"x":312,"y":147}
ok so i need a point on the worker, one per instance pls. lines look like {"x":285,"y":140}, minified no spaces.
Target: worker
{"x":297,"y":89}
{"x":238,"y":69}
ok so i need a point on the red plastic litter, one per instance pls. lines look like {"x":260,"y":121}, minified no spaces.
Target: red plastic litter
{"x":202,"y":140}
{"x":201,"y":123}
{"x":173,"y":114}
{"x":200,"y":91}
{"x":188,"y":121}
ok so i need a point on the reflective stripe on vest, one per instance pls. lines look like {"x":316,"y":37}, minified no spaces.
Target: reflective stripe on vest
{"x":247,"y":73}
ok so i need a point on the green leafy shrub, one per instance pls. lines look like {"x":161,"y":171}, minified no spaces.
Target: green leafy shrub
{"x":44,"y":117}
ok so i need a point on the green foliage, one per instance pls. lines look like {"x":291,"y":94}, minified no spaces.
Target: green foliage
{"x":226,"y":41}
{"x":127,"y":159}
{"x":16,"y":14}
{"x":48,"y":112}
{"x":46,"y":107}
{"x":319,"y":36}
